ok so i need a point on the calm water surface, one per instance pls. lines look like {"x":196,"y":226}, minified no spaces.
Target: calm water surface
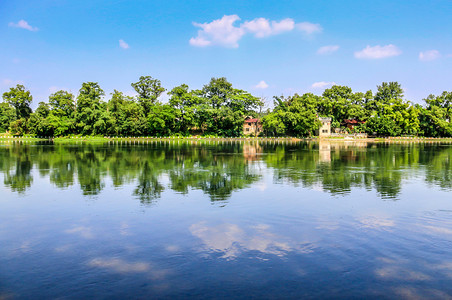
{"x":225,"y":219}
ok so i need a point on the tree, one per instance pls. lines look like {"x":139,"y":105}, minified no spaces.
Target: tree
{"x":223,"y":108}
{"x":38,"y":123}
{"x":340,"y":103}
{"x":217,"y":91}
{"x":391,"y":115}
{"x":61,"y":119}
{"x":296,"y":116}
{"x":126,"y":116}
{"x":89,"y":106}
{"x":7,"y":115}
{"x":20,"y":99}
{"x":186,"y":104}
{"x":149,"y":90}
{"x":273,"y":123}
{"x":389,"y":93}
{"x":162,"y":120}
{"x":62,"y":103}
{"x":435,"y":118}
{"x":43,"y":110}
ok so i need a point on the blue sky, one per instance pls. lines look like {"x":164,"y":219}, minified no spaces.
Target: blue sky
{"x":266,"y":47}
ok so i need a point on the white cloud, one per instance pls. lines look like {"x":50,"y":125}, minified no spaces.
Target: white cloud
{"x":376,"y":222}
{"x":262,"y":27}
{"x":325,"y":50}
{"x":16,"y":60}
{"x":261,"y":85}
{"x":123,"y":44}
{"x":283,"y":25}
{"x":84,"y":232}
{"x":232,"y":240}
{"x":429,"y":55}
{"x":218,"y":32}
{"x":225,"y":32}
{"x":309,"y":28}
{"x":119,"y":265}
{"x":378,"y":52}
{"x":24,"y":25}
{"x":322,"y":84}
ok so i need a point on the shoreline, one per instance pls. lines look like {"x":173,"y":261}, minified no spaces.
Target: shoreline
{"x":94,"y":139}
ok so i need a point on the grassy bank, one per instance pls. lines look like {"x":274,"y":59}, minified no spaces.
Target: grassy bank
{"x":6,"y":136}
{"x":92,"y":139}
{"x":104,"y":139}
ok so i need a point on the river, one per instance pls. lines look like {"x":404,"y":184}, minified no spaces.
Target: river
{"x":225,"y":219}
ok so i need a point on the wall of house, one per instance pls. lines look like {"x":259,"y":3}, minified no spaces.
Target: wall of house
{"x":252,"y":128}
{"x":325,"y":129}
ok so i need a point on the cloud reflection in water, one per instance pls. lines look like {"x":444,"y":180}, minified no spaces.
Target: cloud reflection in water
{"x":232,"y":240}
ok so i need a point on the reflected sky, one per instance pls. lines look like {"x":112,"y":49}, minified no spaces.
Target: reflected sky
{"x":226,"y":219}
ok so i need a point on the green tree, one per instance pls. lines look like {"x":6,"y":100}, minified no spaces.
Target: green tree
{"x":7,"y":115}
{"x":435,"y":118}
{"x":61,"y":119}
{"x":62,"y":104}
{"x":149,"y":90}
{"x":162,"y":120}
{"x":340,"y":103}
{"x":217,"y":92}
{"x":89,"y":107}
{"x":295,"y":116}
{"x":126,"y":116}
{"x":273,"y":123}
{"x":391,"y":114}
{"x":38,"y":123}
{"x":20,"y":99}
{"x":224,"y":108}
{"x":389,"y":92}
{"x":186,"y":105}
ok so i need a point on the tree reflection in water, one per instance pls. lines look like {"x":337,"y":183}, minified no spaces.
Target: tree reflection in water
{"x":218,"y":168}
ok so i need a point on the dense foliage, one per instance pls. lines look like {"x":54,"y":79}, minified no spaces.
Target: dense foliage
{"x":220,"y":109}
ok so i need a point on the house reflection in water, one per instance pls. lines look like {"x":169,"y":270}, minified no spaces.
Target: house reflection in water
{"x":324,"y":151}
{"x":347,"y":150}
{"x":252,"y":151}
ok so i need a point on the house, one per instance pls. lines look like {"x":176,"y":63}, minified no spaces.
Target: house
{"x":325,"y":127}
{"x":351,"y":123}
{"x":252,"y":126}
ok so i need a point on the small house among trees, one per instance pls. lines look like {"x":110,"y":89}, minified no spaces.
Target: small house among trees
{"x":252,"y":126}
{"x":325,"y":127}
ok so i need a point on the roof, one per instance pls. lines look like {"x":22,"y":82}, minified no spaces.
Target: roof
{"x":353,"y":121}
{"x":325,"y":119}
{"x":252,"y":121}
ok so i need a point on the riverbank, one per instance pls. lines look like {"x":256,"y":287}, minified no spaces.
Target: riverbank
{"x":100,"y":139}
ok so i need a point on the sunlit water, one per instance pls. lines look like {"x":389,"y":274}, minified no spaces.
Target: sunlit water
{"x":225,"y":219}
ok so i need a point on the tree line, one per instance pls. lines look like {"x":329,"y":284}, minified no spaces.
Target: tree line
{"x":219,"y":109}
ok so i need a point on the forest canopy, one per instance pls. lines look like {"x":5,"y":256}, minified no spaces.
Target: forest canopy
{"x":220,"y":109}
